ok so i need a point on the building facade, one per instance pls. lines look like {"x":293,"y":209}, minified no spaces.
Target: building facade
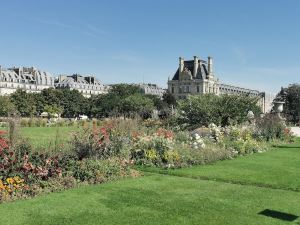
{"x":29,"y":79}
{"x":151,"y":89}
{"x":86,"y":85}
{"x":194,"y":77}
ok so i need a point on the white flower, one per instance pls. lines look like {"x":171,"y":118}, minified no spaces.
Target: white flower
{"x":200,"y":141}
{"x":197,"y":137}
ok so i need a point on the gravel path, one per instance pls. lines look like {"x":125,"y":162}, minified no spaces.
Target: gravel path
{"x":296,"y":131}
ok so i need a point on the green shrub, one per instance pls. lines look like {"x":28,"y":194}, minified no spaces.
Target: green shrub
{"x":182,"y":137}
{"x":270,"y":127}
{"x":24,"y":122}
{"x":93,"y":143}
{"x":58,"y":183}
{"x":31,"y":122}
{"x":61,"y":123}
{"x":99,"y":171}
{"x":202,"y":110}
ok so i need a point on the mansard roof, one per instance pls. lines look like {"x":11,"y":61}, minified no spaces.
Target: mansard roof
{"x":25,"y":75}
{"x":78,"y":79}
{"x":202,"y":71}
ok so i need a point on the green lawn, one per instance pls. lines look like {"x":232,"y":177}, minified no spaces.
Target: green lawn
{"x":156,"y":199}
{"x":47,"y":136}
{"x":186,"y":196}
{"x":279,"y":168}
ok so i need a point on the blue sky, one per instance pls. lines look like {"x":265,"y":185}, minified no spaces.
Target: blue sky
{"x":254,"y":43}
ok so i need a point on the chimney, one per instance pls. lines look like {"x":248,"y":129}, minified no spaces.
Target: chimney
{"x":210,"y":65}
{"x":181,"y":64}
{"x":195,"y":66}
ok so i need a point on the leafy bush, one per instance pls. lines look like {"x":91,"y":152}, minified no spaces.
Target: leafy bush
{"x":202,"y":110}
{"x":270,"y":127}
{"x":24,"y":122}
{"x":152,"y":148}
{"x":99,"y":171}
{"x":94,"y":143}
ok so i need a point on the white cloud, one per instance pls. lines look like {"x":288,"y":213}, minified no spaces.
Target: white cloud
{"x":85,"y":29}
{"x":54,"y":23}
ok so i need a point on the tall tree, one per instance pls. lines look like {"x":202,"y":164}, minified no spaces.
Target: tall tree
{"x":222,"y":110}
{"x":291,"y":96}
{"x":6,"y":106}
{"x":124,"y":90}
{"x":24,"y":103}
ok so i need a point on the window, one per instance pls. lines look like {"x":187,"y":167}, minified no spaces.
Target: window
{"x":187,"y":89}
{"x":198,"y":89}
{"x":172,"y":90}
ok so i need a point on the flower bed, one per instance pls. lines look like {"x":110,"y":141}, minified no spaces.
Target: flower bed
{"x":107,"y":152}
{"x":24,"y":173}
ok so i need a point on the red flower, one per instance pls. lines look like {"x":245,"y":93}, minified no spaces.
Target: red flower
{"x":3,"y":132}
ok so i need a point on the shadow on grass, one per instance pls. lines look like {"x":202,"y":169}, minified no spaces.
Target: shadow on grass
{"x":278,"y":215}
{"x":286,"y":146}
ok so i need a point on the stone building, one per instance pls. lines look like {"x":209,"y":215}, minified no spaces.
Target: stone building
{"x":87,"y":85}
{"x":151,"y":89}
{"x":194,"y":77}
{"x":229,"y":89}
{"x":29,"y":79}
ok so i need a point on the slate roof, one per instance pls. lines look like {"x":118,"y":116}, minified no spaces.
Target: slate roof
{"x":189,"y":64}
{"x":75,"y":79}
{"x":28,"y":75}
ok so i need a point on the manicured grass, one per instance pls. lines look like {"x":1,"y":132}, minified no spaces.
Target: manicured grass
{"x":244,"y":187}
{"x":47,"y":136}
{"x":154,"y":199}
{"x":279,"y":168}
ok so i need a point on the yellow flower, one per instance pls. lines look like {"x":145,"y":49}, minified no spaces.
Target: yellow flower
{"x":10,"y":180}
{"x":151,"y":154}
{"x":18,"y":180}
{"x":2,"y":186}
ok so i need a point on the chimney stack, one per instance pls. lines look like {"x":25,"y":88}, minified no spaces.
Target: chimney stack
{"x":181,"y":64}
{"x":210,"y":66}
{"x":196,"y":64}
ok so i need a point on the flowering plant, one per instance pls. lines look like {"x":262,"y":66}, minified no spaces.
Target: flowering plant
{"x":215,"y":132}
{"x":152,"y":148}
{"x":93,"y":142}
{"x":197,"y":142}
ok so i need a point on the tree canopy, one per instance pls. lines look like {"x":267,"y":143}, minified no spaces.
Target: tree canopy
{"x":291,"y":107}
{"x":201,"y":110}
{"x":121,"y":100}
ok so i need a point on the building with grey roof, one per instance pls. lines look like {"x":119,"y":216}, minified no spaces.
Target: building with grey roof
{"x":194,"y":77}
{"x":86,"y":85}
{"x":29,"y":79}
